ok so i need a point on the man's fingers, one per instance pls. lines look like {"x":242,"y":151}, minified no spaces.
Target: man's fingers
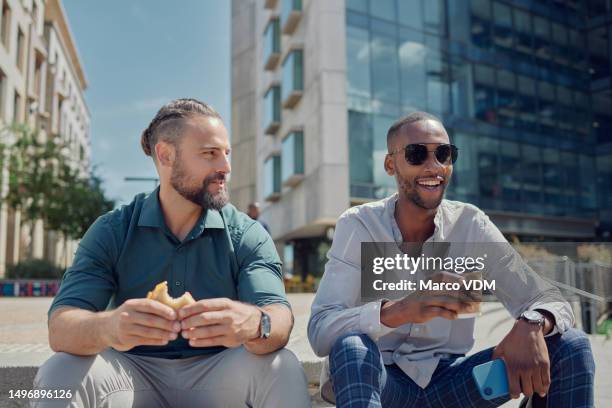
{"x":514,"y":386}
{"x":545,"y":376}
{"x":204,"y":305}
{"x":526,"y":383}
{"x":144,"y":341}
{"x":538,"y":386}
{"x":205,"y":319}
{"x":209,"y":342}
{"x":153,"y":307}
{"x":438,"y":311}
{"x":151,"y":320}
{"x":205,"y":332}
{"x":151,"y":333}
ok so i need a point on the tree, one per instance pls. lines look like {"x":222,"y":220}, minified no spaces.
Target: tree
{"x":44,"y":183}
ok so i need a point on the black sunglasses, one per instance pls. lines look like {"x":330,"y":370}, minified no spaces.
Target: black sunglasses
{"x":416,"y":153}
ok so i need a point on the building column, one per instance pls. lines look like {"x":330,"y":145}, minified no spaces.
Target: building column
{"x":38,"y":239}
{"x":3,"y":238}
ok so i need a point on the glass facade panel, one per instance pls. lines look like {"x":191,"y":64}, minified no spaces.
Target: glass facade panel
{"x":293,"y":78}
{"x":358,"y":58}
{"x":289,"y":6}
{"x":513,"y":84}
{"x":360,"y":147}
{"x":384,"y":9}
{"x":510,"y":175}
{"x":357,"y":5}
{"x":502,"y":30}
{"x":272,"y":110}
{"x":434,"y":16}
{"x":272,"y":39}
{"x":410,"y":13}
{"x":292,"y":154}
{"x":272,"y":173}
{"x":412,"y":54}
{"x":385,"y":69}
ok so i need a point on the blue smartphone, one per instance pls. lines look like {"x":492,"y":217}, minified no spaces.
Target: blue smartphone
{"x":491,"y":379}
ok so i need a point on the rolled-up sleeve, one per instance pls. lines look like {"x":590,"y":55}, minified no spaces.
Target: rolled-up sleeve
{"x":90,"y":282}
{"x":337,"y":309}
{"x":260,"y":278}
{"x":518,"y":286}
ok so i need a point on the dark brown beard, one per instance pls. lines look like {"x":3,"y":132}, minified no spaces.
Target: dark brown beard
{"x":199,"y":195}
{"x":409,"y":190}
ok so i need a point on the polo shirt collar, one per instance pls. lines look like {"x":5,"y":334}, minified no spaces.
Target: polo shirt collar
{"x":151,"y":216}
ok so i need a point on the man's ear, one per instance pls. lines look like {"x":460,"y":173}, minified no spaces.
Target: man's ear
{"x":389,"y":165}
{"x":165,"y":153}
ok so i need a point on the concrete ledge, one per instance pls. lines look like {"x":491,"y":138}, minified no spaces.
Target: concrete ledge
{"x":15,"y":378}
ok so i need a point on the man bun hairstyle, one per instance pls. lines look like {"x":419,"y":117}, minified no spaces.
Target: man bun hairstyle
{"x":167,"y":125}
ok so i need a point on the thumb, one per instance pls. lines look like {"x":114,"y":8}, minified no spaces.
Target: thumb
{"x":497,"y":353}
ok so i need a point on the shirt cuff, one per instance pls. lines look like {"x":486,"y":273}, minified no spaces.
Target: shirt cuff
{"x":369,"y":321}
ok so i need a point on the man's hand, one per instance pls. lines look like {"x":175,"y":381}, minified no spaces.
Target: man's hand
{"x":422,"y":306}
{"x":526,"y":356}
{"x":140,"y":322}
{"x":219,"y":322}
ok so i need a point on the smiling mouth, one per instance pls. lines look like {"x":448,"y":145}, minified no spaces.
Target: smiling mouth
{"x":430,"y":184}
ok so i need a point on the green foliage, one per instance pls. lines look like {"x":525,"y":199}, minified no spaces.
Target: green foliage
{"x":45,"y":184}
{"x":34,"y":269}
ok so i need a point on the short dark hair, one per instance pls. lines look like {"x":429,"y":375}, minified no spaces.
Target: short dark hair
{"x":168,"y":123}
{"x":412,"y":117}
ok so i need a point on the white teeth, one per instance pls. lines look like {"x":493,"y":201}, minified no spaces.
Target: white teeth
{"x":431,"y":183}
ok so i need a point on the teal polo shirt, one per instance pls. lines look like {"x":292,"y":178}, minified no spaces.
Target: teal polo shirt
{"x":126,"y":252}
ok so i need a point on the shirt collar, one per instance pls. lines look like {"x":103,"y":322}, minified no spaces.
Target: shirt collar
{"x":439,"y":219}
{"x":150,"y":213}
{"x":151,"y":216}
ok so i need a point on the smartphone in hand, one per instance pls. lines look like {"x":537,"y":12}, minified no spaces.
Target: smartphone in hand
{"x":491,"y":379}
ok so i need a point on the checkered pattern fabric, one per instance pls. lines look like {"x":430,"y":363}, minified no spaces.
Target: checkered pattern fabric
{"x":360,"y":379}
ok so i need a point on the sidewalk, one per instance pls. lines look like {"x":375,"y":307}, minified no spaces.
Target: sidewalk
{"x":23,"y":344}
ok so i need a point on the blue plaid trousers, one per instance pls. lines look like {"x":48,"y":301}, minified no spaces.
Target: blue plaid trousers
{"x":360,"y":378}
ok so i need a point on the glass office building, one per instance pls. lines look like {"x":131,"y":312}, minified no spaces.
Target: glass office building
{"x":523,"y":87}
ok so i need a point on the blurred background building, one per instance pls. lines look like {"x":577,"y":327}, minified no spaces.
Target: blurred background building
{"x":523,"y":87}
{"x":41,"y":84}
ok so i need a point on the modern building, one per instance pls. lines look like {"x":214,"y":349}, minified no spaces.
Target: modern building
{"x":41,"y":84}
{"x":524,"y":88}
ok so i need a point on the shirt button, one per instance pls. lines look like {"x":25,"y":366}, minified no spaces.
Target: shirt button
{"x":178,"y":283}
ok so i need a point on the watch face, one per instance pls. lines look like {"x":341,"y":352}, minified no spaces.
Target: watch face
{"x":265,"y":325}
{"x":532,"y":315}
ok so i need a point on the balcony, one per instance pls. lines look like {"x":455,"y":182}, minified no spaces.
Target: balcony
{"x":272,"y":44}
{"x":272,"y":110}
{"x":293,"y":79}
{"x":291,"y":14}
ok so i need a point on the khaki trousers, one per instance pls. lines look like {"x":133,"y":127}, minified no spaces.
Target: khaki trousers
{"x":231,"y":378}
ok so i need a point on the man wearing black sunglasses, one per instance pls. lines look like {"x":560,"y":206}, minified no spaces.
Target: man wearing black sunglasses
{"x":411,"y":351}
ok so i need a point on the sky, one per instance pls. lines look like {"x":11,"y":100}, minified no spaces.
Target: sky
{"x":137,"y":55}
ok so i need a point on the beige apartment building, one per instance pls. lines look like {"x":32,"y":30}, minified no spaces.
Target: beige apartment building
{"x":41,"y":83}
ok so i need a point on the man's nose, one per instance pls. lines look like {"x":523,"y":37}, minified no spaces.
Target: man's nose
{"x":225,"y":166}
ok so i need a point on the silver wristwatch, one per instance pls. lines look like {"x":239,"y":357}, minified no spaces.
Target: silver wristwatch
{"x":265,"y":325}
{"x":533,"y":317}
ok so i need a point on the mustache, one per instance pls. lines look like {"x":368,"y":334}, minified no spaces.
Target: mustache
{"x":216,"y":177}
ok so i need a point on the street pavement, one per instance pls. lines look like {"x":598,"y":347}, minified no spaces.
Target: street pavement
{"x":23,"y":343}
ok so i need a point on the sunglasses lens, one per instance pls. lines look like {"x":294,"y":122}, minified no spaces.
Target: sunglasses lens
{"x":416,"y":154}
{"x":443,"y":152}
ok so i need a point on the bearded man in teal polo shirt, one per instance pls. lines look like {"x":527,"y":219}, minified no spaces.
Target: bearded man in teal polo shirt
{"x":115,"y":347}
